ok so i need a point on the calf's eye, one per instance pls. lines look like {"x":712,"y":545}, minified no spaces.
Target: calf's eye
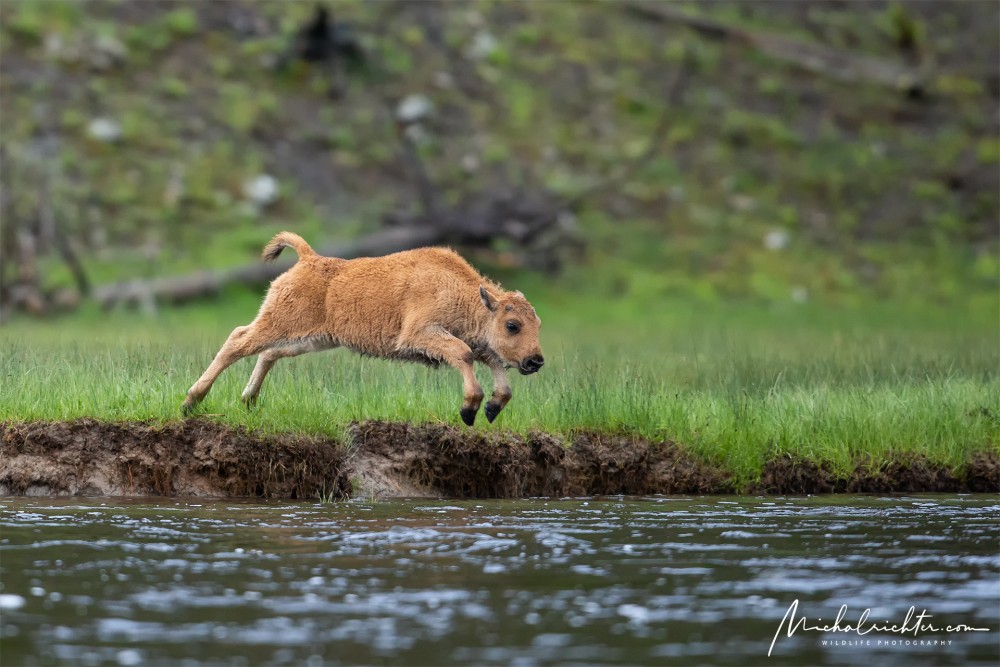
{"x":513,"y":327}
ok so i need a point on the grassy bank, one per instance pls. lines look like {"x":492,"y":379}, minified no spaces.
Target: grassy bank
{"x":735,"y":384}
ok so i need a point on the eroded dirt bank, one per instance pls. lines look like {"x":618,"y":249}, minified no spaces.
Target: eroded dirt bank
{"x":200,"y":457}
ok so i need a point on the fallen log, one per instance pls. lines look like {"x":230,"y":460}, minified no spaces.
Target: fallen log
{"x":816,"y":58}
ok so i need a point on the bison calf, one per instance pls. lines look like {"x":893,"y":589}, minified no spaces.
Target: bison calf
{"x":425,"y":305}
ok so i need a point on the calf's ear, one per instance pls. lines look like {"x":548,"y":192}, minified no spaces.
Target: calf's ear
{"x":487,"y":301}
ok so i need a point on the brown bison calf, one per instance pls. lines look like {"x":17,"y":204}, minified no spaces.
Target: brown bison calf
{"x":425,"y":305}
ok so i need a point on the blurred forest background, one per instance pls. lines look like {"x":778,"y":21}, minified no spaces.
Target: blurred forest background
{"x":781,"y":152}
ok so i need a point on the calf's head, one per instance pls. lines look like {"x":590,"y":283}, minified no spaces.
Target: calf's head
{"x":512,"y":333}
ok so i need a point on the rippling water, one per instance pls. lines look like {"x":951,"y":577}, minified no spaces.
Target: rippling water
{"x":587,"y":582}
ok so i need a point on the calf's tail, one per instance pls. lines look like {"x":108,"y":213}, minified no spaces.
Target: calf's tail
{"x":285,"y":240}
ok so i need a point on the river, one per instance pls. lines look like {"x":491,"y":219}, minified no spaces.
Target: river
{"x":613,"y":581}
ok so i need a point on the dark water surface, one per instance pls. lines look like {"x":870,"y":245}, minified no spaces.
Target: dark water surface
{"x":657,"y":581}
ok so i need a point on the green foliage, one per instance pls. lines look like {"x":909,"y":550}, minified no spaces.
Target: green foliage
{"x":30,"y":21}
{"x":528,"y":34}
{"x":147,"y":39}
{"x":182,"y":22}
{"x":759,"y":130}
{"x":988,"y":150}
{"x":396,"y":60}
{"x":903,"y":28}
{"x":986,"y":267}
{"x":242,"y":108}
{"x":521,"y":99}
{"x":175,"y":87}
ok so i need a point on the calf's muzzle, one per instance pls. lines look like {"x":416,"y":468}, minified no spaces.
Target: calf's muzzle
{"x":531,"y":365}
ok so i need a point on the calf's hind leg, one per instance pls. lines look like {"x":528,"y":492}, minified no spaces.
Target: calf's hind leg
{"x":265,"y":362}
{"x":268,"y":358}
{"x":241,"y":343}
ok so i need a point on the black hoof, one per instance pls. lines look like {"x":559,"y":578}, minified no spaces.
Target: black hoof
{"x":468,"y":416}
{"x":187,"y":409}
{"x":250,"y":403}
{"x":492,"y":410}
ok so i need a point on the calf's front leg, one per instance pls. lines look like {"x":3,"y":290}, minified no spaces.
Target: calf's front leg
{"x":437,"y":343}
{"x":501,"y":390}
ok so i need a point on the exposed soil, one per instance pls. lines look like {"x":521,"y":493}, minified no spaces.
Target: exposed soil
{"x":191,"y":458}
{"x":902,"y":473}
{"x":443,"y":460}
{"x":201,"y":458}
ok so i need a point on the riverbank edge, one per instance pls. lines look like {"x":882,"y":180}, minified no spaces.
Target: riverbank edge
{"x":199,"y":457}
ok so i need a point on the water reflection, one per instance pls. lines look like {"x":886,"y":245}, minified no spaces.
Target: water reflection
{"x":637,"y":581}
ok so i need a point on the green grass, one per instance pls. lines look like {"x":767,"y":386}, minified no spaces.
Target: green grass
{"x":736,"y":384}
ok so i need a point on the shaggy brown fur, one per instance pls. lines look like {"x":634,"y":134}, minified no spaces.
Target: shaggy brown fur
{"x":424,"y":305}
